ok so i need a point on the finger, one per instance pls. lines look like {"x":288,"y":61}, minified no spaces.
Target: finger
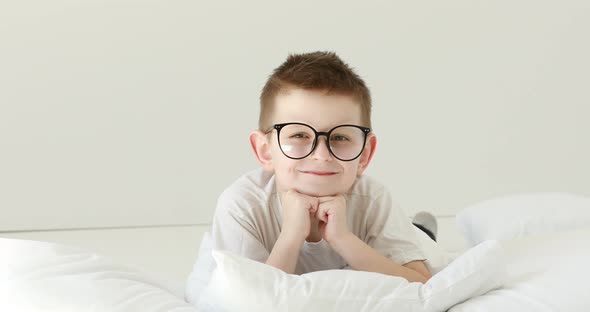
{"x":314,"y":203}
{"x":312,"y":208}
{"x":322,"y":214}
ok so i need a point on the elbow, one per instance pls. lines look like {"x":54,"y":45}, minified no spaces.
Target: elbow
{"x":418,"y":278}
{"x":424,"y":279}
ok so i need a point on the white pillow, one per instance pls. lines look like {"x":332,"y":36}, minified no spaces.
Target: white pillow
{"x":436,"y":260}
{"x":199,"y":278}
{"x":523,"y":215}
{"x":39,"y":276}
{"x":241,"y":284}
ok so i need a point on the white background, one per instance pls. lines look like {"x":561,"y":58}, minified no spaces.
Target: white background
{"x":136,"y":113}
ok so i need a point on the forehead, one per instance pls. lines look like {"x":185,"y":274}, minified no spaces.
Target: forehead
{"x":318,"y":109}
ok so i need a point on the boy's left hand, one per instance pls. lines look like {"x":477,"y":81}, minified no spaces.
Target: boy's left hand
{"x":332,"y":215}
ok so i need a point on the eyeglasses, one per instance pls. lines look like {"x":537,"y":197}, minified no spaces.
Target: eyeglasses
{"x":298,"y":140}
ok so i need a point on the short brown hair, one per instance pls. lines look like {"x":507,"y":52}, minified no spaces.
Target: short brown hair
{"x":314,"y":71}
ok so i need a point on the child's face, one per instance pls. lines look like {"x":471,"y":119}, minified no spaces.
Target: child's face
{"x":320,"y":173}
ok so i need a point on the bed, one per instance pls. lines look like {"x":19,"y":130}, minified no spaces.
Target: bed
{"x":527,"y":252}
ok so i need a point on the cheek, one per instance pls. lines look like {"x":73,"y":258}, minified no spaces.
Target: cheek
{"x":350,"y":168}
{"x":284,"y":166}
{"x":350,"y":174}
{"x":286,"y":175}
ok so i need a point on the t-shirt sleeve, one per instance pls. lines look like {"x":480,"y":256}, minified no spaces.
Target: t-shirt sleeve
{"x":235,"y":231}
{"x":390,"y":232}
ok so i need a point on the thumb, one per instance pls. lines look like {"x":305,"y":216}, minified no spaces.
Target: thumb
{"x":322,"y":213}
{"x":313,"y":204}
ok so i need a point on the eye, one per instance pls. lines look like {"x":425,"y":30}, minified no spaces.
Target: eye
{"x":338,"y":137}
{"x":300,"y":135}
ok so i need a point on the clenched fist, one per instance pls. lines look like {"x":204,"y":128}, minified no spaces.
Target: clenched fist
{"x":298,"y":210}
{"x":331,"y":212}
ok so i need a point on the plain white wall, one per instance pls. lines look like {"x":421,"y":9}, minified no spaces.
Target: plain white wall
{"x":134,"y":113}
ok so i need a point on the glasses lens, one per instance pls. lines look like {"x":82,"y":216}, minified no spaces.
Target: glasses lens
{"x":296,"y":140}
{"x":347,"y":142}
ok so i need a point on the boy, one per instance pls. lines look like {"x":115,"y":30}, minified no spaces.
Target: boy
{"x":309,"y":207}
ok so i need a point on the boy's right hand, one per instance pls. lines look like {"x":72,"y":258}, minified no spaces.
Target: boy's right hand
{"x":298,"y":210}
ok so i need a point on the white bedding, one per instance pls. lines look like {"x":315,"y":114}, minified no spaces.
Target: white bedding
{"x":543,"y":273}
{"x":546,"y":270}
{"x":46,"y":277}
{"x":240,"y":284}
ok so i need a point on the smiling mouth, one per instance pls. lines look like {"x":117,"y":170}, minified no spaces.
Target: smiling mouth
{"x":320,"y":173}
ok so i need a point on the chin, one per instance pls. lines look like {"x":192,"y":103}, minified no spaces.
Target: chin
{"x":319,"y":191}
{"x":314,"y":186}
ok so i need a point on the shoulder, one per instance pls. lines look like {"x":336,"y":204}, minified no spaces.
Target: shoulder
{"x":369,"y":187}
{"x":250,"y":191}
{"x":372,"y":196}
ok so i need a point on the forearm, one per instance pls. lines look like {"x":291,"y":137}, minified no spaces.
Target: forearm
{"x":362,"y":257}
{"x":284,"y":254}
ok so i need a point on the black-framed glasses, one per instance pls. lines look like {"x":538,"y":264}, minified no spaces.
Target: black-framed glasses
{"x":298,"y":140}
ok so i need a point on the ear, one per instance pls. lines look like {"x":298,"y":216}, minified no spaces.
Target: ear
{"x":367,"y":153}
{"x":261,"y":147}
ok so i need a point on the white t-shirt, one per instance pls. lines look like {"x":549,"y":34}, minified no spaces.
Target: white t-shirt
{"x":248,"y":221}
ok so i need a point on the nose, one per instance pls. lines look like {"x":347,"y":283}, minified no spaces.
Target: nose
{"x":321,"y":151}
